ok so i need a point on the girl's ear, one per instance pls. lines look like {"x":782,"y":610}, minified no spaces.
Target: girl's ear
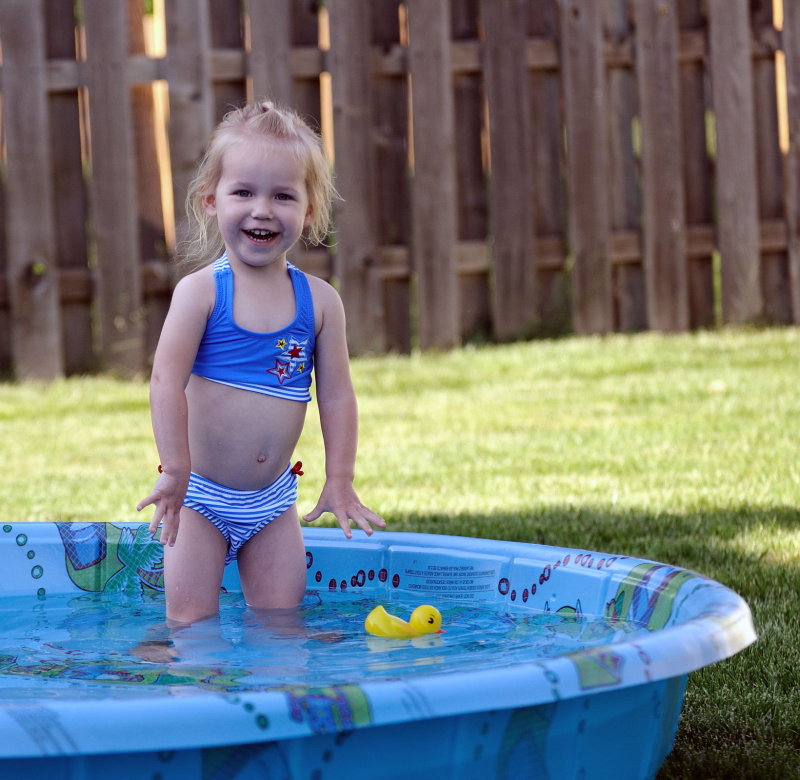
{"x":309,"y":216}
{"x":210,"y":204}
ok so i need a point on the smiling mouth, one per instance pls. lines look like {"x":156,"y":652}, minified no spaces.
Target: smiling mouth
{"x":260,"y":235}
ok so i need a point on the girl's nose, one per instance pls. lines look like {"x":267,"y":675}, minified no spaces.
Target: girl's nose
{"x":261,"y":208}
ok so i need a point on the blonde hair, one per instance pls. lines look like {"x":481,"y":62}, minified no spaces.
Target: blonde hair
{"x":262,"y":121}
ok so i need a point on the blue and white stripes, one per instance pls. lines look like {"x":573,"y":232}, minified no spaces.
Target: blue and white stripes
{"x":240,"y":514}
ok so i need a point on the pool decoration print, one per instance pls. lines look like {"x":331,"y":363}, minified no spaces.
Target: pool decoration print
{"x":547,"y":652}
{"x":134,"y":561}
{"x":329,"y":710}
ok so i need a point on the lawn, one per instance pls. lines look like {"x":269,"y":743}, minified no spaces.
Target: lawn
{"x":682,"y":449}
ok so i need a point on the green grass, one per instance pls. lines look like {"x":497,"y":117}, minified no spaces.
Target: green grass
{"x":681,"y":449}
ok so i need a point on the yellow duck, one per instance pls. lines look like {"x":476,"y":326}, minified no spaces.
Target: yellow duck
{"x":424,"y":619}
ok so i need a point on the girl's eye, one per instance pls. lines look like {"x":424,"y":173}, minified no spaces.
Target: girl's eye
{"x":283,"y":196}
{"x":242,"y":193}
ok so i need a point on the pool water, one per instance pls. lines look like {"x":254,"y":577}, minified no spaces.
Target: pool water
{"x":85,"y":644}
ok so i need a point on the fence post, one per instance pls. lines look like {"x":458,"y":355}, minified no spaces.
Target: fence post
{"x":791,"y":47}
{"x":390,"y":126}
{"x":271,"y":50}
{"x":229,"y":90}
{"x":433,"y":196}
{"x":624,"y":195}
{"x":191,"y":105}
{"x":113,"y":187}
{"x":736,"y":171}
{"x":356,"y":250}
{"x":771,"y":166}
{"x":33,"y":289}
{"x":512,"y":209}
{"x":584,"y":89}
{"x":696,"y":170}
{"x":471,"y":171}
{"x":664,"y":217}
{"x":70,"y":201}
{"x":152,"y":235}
{"x":547,"y":133}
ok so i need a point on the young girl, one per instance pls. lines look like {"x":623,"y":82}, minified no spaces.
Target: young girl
{"x":232,"y":372}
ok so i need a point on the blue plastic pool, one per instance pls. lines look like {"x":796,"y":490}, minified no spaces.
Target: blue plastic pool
{"x":555,"y":663}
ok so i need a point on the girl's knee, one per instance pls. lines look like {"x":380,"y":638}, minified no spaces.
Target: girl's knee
{"x":182,"y":612}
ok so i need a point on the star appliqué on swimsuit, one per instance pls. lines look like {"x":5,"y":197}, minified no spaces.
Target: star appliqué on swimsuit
{"x":292,"y":359}
{"x":281,"y":370}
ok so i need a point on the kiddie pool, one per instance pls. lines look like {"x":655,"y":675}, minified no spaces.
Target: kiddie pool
{"x":605,"y":711}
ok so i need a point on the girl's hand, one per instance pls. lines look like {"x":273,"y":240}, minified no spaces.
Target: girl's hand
{"x":340,"y":499}
{"x":167,"y":497}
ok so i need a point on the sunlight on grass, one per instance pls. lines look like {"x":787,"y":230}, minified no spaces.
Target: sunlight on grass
{"x":663,"y":424}
{"x":769,"y":543}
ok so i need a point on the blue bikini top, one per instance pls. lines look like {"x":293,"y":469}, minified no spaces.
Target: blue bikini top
{"x":277,"y":364}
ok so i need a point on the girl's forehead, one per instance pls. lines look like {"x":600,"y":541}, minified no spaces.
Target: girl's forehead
{"x":255,"y":150}
{"x":255,"y":158}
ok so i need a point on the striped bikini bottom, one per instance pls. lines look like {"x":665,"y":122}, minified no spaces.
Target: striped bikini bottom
{"x":240,"y":514}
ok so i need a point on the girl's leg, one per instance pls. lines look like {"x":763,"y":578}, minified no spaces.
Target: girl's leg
{"x":272,"y":565}
{"x":193,"y":569}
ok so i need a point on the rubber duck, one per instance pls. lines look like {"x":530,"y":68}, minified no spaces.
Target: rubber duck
{"x":425,"y":619}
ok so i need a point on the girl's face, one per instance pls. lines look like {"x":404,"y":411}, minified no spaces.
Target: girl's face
{"x":260,"y":202}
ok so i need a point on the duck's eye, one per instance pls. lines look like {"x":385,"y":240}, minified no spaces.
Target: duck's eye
{"x":430,"y":619}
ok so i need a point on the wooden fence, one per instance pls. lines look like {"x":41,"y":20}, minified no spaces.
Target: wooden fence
{"x":509,"y":168}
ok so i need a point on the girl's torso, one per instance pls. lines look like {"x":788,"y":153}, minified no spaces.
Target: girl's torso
{"x":239,"y":438}
{"x":249,"y":388}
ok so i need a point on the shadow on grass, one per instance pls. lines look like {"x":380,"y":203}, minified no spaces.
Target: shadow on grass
{"x":741,"y":717}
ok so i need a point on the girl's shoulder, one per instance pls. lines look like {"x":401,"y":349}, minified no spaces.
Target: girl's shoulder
{"x":327,"y":302}
{"x":198,"y":285}
{"x":322,"y":291}
{"x":328,"y":308}
{"x":200,"y":277}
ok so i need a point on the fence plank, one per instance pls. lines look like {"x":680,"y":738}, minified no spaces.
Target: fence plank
{"x":737,"y":197}
{"x":775,"y":286}
{"x":696,"y":168}
{"x":6,"y":355}
{"x":226,"y":33}
{"x":270,"y":50}
{"x":584,"y":89}
{"x":306,"y":86}
{"x":31,"y":264}
{"x":511,"y":179}
{"x":433,"y":205}
{"x":664,"y":217}
{"x":70,"y":206}
{"x":356,"y":255}
{"x":152,"y":238}
{"x":390,"y":128}
{"x":630,"y":301}
{"x":791,"y":47}
{"x":191,"y":106}
{"x":113,"y":187}
{"x":472,"y":218}
{"x":549,"y":197}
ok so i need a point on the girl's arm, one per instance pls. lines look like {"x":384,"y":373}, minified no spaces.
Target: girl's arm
{"x":338,"y":414}
{"x":172,"y":366}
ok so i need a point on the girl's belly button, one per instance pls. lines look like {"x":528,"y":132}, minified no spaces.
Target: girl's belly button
{"x":261,"y":457}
